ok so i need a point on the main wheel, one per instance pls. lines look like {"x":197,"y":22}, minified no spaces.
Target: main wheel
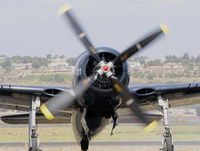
{"x":34,"y":144}
{"x":168,"y":146}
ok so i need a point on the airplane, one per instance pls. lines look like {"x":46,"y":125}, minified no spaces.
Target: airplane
{"x":100,"y":94}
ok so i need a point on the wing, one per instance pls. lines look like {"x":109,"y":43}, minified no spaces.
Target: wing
{"x":18,"y":97}
{"x":177,"y":94}
{"x":40,"y":119}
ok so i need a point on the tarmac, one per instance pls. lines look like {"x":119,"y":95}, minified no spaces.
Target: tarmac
{"x":19,"y":144}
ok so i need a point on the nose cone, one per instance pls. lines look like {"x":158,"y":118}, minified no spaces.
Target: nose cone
{"x":105,"y":68}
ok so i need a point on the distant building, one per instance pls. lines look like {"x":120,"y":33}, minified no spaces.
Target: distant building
{"x":68,"y":69}
{"x":161,"y":59}
{"x":61,"y":69}
{"x":155,"y":68}
{"x":167,"y":67}
{"x":18,"y":66}
{"x":135,"y":65}
{"x":2,"y":58}
{"x":58,"y":62}
{"x":174,"y":66}
{"x":196,"y":67}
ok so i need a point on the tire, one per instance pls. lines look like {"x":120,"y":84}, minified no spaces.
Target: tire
{"x":168,"y":146}
{"x":34,"y":144}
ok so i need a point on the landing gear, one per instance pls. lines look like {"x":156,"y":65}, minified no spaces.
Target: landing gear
{"x":167,"y":143}
{"x":84,"y":123}
{"x":33,"y":136}
{"x":85,"y":140}
{"x":167,"y":140}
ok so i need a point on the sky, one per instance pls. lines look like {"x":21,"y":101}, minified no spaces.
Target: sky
{"x":34,"y":27}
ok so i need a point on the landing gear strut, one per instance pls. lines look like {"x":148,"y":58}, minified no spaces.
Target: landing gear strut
{"x":33,"y":136}
{"x":167,"y":140}
{"x":85,"y":140}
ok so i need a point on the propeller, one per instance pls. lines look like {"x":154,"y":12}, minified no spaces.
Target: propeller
{"x":67,"y":13}
{"x":122,"y":90}
{"x":66,"y":98}
{"x":141,"y":44}
{"x":128,"y":99}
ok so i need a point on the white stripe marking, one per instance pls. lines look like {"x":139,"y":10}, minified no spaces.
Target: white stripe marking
{"x":129,"y":102}
{"x":72,"y":92}
{"x":81,"y":35}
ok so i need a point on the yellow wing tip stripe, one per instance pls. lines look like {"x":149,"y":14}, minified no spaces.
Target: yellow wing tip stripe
{"x":165,"y":29}
{"x":150,"y":127}
{"x":46,"y":112}
{"x":64,"y":8}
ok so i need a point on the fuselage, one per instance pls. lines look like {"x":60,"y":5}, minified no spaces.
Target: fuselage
{"x":100,"y":101}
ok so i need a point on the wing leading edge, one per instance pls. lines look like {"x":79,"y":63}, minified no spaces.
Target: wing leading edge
{"x":177,"y":94}
{"x":18,"y":96}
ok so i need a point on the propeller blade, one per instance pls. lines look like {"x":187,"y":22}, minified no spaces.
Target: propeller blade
{"x":66,"y":12}
{"x":141,"y":44}
{"x":128,"y":99}
{"x":66,"y":98}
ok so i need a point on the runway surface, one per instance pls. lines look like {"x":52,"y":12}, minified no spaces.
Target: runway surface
{"x":196,"y":143}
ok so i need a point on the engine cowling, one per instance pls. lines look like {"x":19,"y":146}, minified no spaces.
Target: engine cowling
{"x":86,"y":66}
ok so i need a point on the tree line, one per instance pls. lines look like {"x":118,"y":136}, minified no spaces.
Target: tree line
{"x":185,"y":60}
{"x":36,"y":62}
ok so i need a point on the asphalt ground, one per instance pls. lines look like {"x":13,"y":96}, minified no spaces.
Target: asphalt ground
{"x":16,"y":144}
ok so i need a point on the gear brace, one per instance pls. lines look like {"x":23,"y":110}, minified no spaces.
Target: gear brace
{"x":167,"y":139}
{"x":34,"y":141}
